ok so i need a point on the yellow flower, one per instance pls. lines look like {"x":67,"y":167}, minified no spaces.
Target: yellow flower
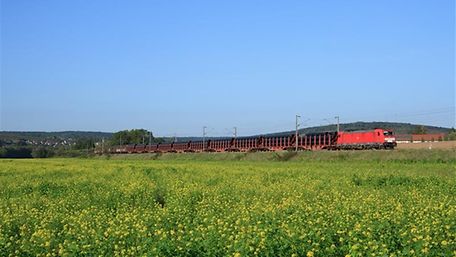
{"x":310,"y":254}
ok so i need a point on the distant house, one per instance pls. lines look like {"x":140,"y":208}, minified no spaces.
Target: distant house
{"x":427,"y":137}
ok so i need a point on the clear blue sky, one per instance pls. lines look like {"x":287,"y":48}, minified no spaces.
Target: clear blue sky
{"x":175,"y":66}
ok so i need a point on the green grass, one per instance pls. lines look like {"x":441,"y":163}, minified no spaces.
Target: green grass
{"x":265,"y":204}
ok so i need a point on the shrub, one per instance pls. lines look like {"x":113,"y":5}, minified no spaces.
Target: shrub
{"x":12,"y":152}
{"x":42,"y":152}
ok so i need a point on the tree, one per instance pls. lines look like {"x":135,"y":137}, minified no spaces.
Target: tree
{"x":452,"y":134}
{"x":420,"y":130}
{"x":2,"y":152}
{"x":42,"y":152}
{"x":84,"y":143}
{"x":134,"y":136}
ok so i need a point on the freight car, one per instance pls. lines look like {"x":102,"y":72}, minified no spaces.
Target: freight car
{"x":357,"y":140}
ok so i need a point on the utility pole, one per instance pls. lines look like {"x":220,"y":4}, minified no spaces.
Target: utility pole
{"x":120,"y":140}
{"x":296,"y":135}
{"x":235,"y":132}
{"x":204,"y":137}
{"x":102,"y":145}
{"x":338,"y":125}
{"x":150,"y":140}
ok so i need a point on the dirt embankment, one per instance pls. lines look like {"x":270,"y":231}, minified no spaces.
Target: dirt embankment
{"x":428,"y":145}
{"x":407,"y":155}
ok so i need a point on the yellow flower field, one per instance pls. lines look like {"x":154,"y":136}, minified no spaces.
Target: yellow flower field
{"x":74,"y":207}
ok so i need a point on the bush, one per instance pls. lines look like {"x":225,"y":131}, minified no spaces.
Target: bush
{"x":42,"y":152}
{"x":451,"y":135}
{"x":13,"y":152}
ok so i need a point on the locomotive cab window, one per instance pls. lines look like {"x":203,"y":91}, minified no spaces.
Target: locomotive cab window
{"x":387,"y":133}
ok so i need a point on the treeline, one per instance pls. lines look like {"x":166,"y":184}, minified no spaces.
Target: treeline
{"x":26,"y":152}
{"x":134,"y":136}
{"x":43,"y":152}
{"x":42,"y":136}
{"x":80,"y":146}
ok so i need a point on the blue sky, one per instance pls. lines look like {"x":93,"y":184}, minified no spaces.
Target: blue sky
{"x":176,"y":66}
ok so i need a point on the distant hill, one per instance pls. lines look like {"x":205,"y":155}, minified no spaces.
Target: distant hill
{"x":16,"y":135}
{"x":396,"y":127}
{"x":63,"y":138}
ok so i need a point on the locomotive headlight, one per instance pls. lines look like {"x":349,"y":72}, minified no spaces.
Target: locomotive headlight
{"x":390,"y":139}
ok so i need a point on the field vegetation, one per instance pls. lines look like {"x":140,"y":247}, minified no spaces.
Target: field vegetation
{"x":263,"y":204}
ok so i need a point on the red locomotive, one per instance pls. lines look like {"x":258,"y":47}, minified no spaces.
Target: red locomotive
{"x":373,"y":139}
{"x":357,"y":140}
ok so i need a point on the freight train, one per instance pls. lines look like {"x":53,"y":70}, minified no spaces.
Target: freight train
{"x":357,"y":140}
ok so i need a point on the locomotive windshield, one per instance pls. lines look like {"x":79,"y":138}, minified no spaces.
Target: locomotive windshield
{"x":388,"y":133}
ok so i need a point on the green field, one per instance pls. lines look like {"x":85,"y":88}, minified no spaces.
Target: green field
{"x":328,"y":204}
